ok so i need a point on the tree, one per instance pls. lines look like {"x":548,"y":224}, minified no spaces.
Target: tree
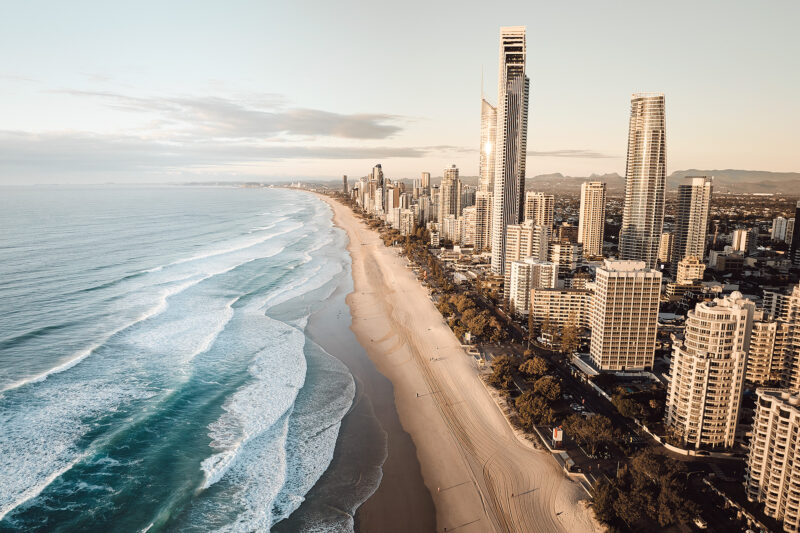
{"x":533,"y":410}
{"x":547,"y":325}
{"x":626,"y":406}
{"x":468,"y":314}
{"x":534,"y":367}
{"x":498,"y":332}
{"x":547,"y":387}
{"x":477,"y":325}
{"x":604,"y":497}
{"x":444,"y":307}
{"x":570,"y":339}
{"x":501,"y":376}
{"x":591,"y":432}
{"x":549,"y":329}
{"x":463,"y":302}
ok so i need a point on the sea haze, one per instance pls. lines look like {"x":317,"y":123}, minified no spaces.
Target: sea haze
{"x":155,"y":372}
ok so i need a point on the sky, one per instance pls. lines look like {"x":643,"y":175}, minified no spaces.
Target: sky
{"x":155,"y":91}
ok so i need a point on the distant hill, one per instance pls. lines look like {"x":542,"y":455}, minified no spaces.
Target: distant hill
{"x":731,"y":181}
{"x":743,"y":181}
{"x":725,"y":181}
{"x":559,"y":183}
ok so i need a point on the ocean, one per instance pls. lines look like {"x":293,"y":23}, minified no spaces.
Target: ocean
{"x":156,"y":372}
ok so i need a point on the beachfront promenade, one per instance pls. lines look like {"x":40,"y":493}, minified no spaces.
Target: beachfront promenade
{"x":481,"y":476}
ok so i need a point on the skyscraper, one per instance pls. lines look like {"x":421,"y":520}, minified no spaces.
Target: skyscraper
{"x":344,"y":184}
{"x":450,"y":194}
{"x":512,"y":131}
{"x":624,"y":316}
{"x":426,"y":182}
{"x":539,"y":207}
{"x":488,"y":144}
{"x":708,"y":370}
{"x":691,"y":219}
{"x":645,"y":179}
{"x":592,"y":219}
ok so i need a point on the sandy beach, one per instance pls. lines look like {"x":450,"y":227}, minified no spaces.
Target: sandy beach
{"x":481,"y":477}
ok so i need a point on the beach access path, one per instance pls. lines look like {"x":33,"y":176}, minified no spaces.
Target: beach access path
{"x":481,"y":476}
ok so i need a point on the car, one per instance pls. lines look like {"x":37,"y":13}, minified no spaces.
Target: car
{"x":700,"y":523}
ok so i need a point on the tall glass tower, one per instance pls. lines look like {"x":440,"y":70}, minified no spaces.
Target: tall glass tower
{"x":512,"y":132}
{"x":645,"y":180}
{"x":488,"y":144}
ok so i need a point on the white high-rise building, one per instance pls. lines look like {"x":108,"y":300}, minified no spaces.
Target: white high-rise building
{"x":526,"y":275}
{"x":407,"y":222}
{"x":469,"y":214}
{"x":645,"y":180}
{"x":744,"y":240}
{"x":483,"y":220}
{"x":707,"y":372}
{"x":691,"y":219}
{"x":773,"y":463}
{"x":512,"y":132}
{"x":778,"y":232}
{"x":425,"y":210}
{"x":450,"y":194}
{"x":592,"y":218}
{"x":488,"y":145}
{"x":524,"y":240}
{"x":544,"y":274}
{"x":624,"y":315}
{"x":519,"y":290}
{"x":539,"y":208}
{"x":452,"y":228}
{"x":565,"y":255}
{"x":768,"y":340}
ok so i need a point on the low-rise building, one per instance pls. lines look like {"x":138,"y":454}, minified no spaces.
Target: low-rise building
{"x":559,"y":306}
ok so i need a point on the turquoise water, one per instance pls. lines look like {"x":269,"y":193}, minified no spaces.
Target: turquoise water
{"x":155,"y":372}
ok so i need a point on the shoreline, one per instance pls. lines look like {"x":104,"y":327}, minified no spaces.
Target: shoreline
{"x":471,"y":461}
{"x":374,"y":472}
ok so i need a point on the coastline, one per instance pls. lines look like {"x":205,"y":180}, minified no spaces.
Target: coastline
{"x":471,"y":461}
{"x":374,"y":477}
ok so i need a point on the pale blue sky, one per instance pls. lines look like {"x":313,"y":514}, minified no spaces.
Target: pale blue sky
{"x":169,"y":91}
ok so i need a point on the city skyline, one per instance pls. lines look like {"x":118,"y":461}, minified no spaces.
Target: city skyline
{"x":183,"y":104}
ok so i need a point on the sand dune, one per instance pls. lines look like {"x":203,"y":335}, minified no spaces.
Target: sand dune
{"x":481,"y":476}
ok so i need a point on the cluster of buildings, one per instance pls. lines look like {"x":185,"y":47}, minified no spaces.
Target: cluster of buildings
{"x":565,"y":275}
